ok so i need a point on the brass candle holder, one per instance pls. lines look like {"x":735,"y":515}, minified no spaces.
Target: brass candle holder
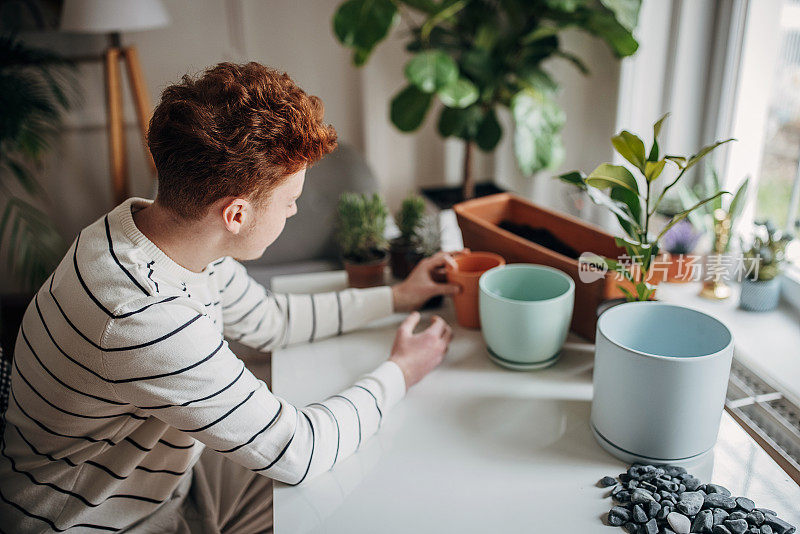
{"x":715,"y":287}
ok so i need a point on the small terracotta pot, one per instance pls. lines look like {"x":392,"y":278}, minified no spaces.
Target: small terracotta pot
{"x":403,"y":257}
{"x":471,"y":265}
{"x":361,"y":275}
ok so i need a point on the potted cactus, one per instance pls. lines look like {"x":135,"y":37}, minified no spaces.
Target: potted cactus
{"x":362,"y":222}
{"x":418,"y":239}
{"x":763,"y":261}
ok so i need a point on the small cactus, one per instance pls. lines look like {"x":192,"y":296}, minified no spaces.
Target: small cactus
{"x":362,"y":222}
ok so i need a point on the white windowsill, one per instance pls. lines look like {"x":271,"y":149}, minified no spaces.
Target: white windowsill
{"x":768,"y":342}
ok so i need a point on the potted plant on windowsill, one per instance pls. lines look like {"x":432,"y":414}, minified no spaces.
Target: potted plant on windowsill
{"x":479,"y":56}
{"x":763,"y":261}
{"x":362,"y":223}
{"x":418,"y":239}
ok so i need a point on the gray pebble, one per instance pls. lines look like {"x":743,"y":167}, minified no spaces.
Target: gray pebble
{"x":736,"y":526}
{"x":738,"y":514}
{"x":640,"y":496}
{"x":690,"y":502}
{"x":719,"y":500}
{"x":679,"y":523}
{"x":674,"y":470}
{"x":607,"y":482}
{"x":703,"y":522}
{"x":623,"y":496}
{"x":767,"y":511}
{"x":631,"y":528}
{"x":691,"y":483}
{"x":755,"y":518}
{"x":638,"y":514}
{"x":719,"y":516}
{"x":720,"y":529}
{"x":779,"y":526}
{"x":663,"y":513}
{"x":618,"y":515}
{"x":766,"y":529}
{"x":651,"y":527}
{"x":745,"y":504}
{"x":652,"y":508}
{"x":716,"y":488}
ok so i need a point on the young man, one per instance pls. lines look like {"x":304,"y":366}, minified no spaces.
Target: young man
{"x":128,"y":411}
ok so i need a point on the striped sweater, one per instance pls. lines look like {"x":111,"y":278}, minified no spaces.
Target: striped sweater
{"x":122,"y":376}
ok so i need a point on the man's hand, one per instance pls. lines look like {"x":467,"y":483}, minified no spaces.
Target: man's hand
{"x":422,"y":283}
{"x":419,"y":354}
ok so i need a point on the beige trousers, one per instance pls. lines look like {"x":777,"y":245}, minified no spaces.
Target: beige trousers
{"x":223,"y":497}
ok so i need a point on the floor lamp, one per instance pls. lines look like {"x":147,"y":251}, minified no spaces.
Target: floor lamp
{"x":112,"y":17}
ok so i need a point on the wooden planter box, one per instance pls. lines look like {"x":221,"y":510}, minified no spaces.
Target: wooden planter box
{"x":479,"y":220}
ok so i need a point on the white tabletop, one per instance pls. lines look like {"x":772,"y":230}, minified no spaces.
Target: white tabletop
{"x":475,"y":447}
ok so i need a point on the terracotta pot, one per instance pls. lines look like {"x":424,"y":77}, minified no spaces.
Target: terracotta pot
{"x":479,"y":220}
{"x":471,"y":265}
{"x":370,"y":274}
{"x":403,"y":257}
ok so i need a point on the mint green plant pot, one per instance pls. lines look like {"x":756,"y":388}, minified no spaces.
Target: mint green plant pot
{"x":525,"y":314}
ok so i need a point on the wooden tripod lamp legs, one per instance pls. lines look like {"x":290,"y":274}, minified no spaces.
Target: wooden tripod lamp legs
{"x":116,"y":118}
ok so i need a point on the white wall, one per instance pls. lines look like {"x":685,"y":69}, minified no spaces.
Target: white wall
{"x":296,"y":35}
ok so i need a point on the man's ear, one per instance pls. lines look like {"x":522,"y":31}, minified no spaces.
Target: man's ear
{"x":234,"y":214}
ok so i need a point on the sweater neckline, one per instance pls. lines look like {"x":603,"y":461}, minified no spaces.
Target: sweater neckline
{"x":123,"y":214}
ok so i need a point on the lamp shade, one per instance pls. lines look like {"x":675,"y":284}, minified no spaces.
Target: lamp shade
{"x":107,"y":16}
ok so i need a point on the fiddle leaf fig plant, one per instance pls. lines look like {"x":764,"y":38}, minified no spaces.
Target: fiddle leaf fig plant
{"x":475,"y":56}
{"x":634,"y":201}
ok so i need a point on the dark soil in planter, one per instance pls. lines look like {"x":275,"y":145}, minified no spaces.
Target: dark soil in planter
{"x":540,"y":236}
{"x":446,"y":197}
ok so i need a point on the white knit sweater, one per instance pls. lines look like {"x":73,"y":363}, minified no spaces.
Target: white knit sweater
{"x":121,"y":376}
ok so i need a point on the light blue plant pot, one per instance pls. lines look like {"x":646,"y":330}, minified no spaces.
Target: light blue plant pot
{"x":525,"y":312}
{"x":660,"y":378}
{"x":760,"y":296}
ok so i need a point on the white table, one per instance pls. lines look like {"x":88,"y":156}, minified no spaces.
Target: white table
{"x":475,"y":447}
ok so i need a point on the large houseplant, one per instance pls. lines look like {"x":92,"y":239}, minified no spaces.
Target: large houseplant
{"x":634,"y":202}
{"x":36,"y":88}
{"x":476,"y":56}
{"x":362,"y":223}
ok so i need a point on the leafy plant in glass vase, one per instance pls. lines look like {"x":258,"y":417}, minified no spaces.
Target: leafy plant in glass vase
{"x":635,"y":201}
{"x":362,"y":223}
{"x":476,"y":56}
{"x":35,"y":92}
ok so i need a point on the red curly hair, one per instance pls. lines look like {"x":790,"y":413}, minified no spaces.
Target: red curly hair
{"x":236,"y":131}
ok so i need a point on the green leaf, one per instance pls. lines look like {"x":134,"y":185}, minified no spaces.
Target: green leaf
{"x":539,"y":33}
{"x":619,"y":38}
{"x":460,"y":94}
{"x":478,"y":64}
{"x":489,"y":132}
{"x":607,"y":175}
{"x":630,"y":297}
{"x":704,"y":151}
{"x":572,"y":58}
{"x":446,"y":11}
{"x":680,"y":161}
{"x":619,"y":209}
{"x":573,"y":178}
{"x":361,"y":24}
{"x":409,"y":107}
{"x":634,"y":205}
{"x":688,"y":199}
{"x":625,"y":11}
{"x":657,"y":126}
{"x":682,"y":215}
{"x":630,"y":147}
{"x":463,"y":123}
{"x":653,"y":155}
{"x":537,"y":79}
{"x":652,"y":169}
{"x":737,"y":204}
{"x":432,"y":71}
{"x":538,"y":120}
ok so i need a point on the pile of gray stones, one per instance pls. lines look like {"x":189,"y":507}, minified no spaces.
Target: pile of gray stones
{"x":665,"y":499}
